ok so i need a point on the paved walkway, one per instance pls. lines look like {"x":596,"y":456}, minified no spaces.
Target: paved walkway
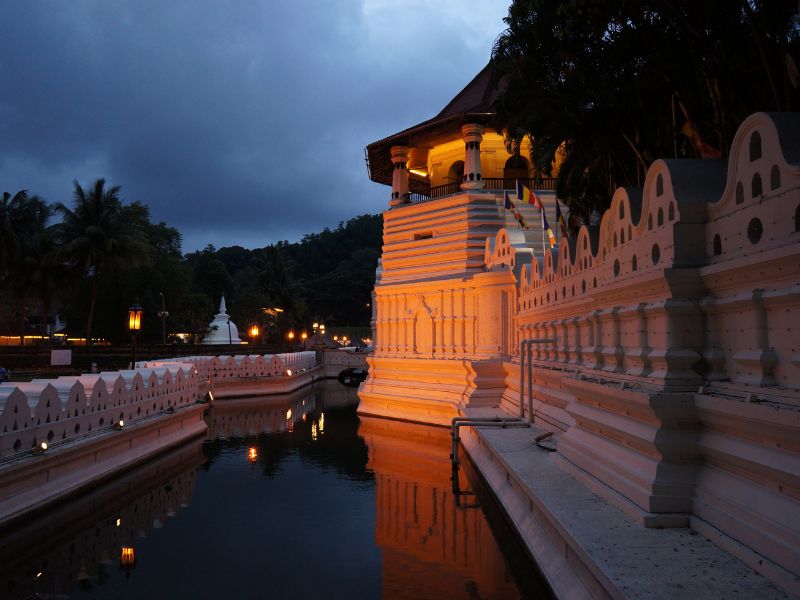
{"x":589,"y":548}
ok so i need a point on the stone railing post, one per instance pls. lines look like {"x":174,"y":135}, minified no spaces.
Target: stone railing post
{"x":399,"y":175}
{"x":472,"y":134}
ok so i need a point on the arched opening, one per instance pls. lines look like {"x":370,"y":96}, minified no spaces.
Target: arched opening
{"x":755,"y":186}
{"x":774,"y":178}
{"x":516,"y":167}
{"x":755,"y":146}
{"x":456,"y":172}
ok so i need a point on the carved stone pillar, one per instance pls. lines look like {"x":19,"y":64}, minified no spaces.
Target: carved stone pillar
{"x":399,"y":175}
{"x":472,"y":134}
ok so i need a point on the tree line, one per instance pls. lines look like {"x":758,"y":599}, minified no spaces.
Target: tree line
{"x":608,"y":87}
{"x":101,"y":255}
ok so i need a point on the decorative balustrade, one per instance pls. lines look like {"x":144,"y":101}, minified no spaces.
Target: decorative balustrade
{"x":666,"y":288}
{"x":71,"y":408}
{"x":490,"y":183}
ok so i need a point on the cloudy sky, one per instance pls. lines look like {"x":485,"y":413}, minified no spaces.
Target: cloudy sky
{"x":238,"y":122}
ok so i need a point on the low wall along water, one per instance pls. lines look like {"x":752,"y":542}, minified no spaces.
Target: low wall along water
{"x":59,"y":435}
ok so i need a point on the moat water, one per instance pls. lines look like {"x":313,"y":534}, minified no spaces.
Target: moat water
{"x":290,"y":496}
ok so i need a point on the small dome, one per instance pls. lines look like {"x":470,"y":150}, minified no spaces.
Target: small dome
{"x":223,"y":330}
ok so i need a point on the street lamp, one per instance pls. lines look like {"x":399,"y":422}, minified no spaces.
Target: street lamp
{"x":134,"y":325}
{"x":319,"y":333}
{"x":127,"y":560}
{"x":304,"y":337}
{"x":253,"y":332}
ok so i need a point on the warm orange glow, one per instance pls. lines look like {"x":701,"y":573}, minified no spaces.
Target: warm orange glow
{"x":254,"y":331}
{"x":314,"y":431}
{"x":127,"y":558}
{"x":336,"y":338}
{"x":290,"y":335}
{"x":303,"y":336}
{"x":252,"y":454}
{"x":135,"y":318}
{"x":321,"y":422}
{"x":288,"y":414}
{"x":315,"y":325}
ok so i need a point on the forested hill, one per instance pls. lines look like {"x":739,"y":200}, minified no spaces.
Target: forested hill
{"x":327,"y":276}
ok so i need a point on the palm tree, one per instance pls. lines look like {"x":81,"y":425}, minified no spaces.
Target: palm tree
{"x":22,"y":224}
{"x":92,"y":237}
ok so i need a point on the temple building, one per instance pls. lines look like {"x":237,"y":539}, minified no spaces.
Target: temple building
{"x":659,"y":347}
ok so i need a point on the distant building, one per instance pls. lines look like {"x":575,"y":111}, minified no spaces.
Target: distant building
{"x":222,"y":329}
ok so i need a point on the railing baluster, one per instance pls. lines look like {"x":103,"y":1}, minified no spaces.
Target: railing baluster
{"x":491,"y":183}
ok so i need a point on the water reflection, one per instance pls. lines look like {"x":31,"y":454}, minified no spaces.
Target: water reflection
{"x":81,"y":543}
{"x":295,"y":498}
{"x":431,"y":548}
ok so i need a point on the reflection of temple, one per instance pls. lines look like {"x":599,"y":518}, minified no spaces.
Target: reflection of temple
{"x":430,"y":547}
{"x":82,"y":541}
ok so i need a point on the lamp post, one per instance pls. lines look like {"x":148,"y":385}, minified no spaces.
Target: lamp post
{"x":134,"y":325}
{"x":290,"y":336}
{"x":319,"y":332}
{"x":253,"y":332}
{"x":304,"y":336}
{"x":163,"y":314}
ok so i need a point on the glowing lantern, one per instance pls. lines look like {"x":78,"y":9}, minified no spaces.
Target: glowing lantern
{"x":135,"y":318}
{"x":127,"y":558}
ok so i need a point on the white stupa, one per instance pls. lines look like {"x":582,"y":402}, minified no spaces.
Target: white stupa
{"x":223,"y":330}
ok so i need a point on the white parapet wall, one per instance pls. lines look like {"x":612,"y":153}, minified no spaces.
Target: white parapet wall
{"x":58,"y":435}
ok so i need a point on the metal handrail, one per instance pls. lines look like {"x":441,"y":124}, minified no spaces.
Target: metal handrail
{"x":458,"y":422}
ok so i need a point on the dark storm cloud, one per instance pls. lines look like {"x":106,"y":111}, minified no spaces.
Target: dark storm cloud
{"x":236,"y":122}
